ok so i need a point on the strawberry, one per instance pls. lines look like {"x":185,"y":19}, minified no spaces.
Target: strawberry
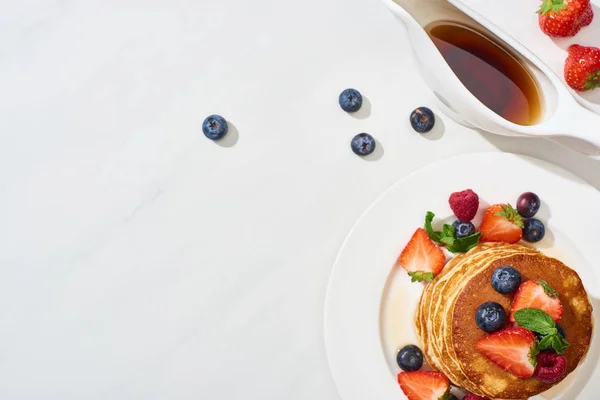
{"x":537,"y":294}
{"x":564,"y":18}
{"x":421,"y":258}
{"x":501,"y":223}
{"x":511,"y":349}
{"x":424,"y":385}
{"x":582,"y":68}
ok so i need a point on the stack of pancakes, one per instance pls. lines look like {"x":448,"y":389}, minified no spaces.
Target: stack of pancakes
{"x":445,"y":318}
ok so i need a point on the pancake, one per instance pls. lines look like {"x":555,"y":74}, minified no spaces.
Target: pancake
{"x":445,"y":317}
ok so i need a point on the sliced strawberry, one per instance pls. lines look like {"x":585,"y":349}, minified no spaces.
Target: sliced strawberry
{"x":422,"y":258}
{"x":423,"y":385}
{"x":501,"y":223}
{"x":510,"y":349}
{"x":537,"y":294}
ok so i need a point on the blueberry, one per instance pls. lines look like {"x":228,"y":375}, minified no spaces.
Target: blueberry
{"x":505,"y":279}
{"x":534,"y":230}
{"x":215,"y":127}
{"x":452,"y":397}
{"x":463,"y":229}
{"x":362,"y":144}
{"x":528,"y":204}
{"x":490,"y":316}
{"x":350,"y":100}
{"x":422,"y":119}
{"x":410,"y":358}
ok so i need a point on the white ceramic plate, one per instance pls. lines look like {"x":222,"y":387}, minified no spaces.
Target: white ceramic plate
{"x":370,"y":304}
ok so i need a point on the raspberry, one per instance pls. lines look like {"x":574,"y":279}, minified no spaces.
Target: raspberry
{"x":472,"y":396}
{"x":550,"y":367}
{"x":464,"y":204}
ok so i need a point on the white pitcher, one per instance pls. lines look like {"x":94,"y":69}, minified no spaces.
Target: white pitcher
{"x":564,"y":120}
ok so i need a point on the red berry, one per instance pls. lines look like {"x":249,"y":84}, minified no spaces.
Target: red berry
{"x":582,"y":67}
{"x":537,"y":294}
{"x":550,"y":367}
{"x":564,"y":18}
{"x":510,"y":349}
{"x":423,"y":385}
{"x":464,"y":204}
{"x":422,"y":258}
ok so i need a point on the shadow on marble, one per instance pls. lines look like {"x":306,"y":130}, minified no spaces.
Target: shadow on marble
{"x":364,"y":111}
{"x":231,"y":138}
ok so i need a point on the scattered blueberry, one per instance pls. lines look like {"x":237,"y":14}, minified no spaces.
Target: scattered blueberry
{"x":534,"y":230}
{"x":214,"y":127}
{"x":350,"y":100}
{"x":422,"y":119}
{"x":505,"y":279}
{"x":490,"y":316}
{"x":561,"y":332}
{"x":410,"y":358}
{"x":463,"y":229}
{"x":528,"y":204}
{"x":362,"y":144}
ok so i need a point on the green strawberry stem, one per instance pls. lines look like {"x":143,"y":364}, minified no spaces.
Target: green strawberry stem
{"x":593,"y":80}
{"x":551,"y":5}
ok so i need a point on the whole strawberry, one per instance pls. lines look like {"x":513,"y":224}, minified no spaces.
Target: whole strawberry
{"x":582,"y":67}
{"x":564,"y":18}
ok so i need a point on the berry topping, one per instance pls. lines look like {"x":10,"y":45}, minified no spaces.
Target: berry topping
{"x":537,"y":294}
{"x":464,"y":204}
{"x":350,"y":100}
{"x":410,"y":358}
{"x":362,"y":144}
{"x":534,"y":230}
{"x":582,"y":68}
{"x":550,"y":367}
{"x":471,"y":396}
{"x":505,"y":279}
{"x":510,"y":349}
{"x":422,"y":119}
{"x":214,"y":127}
{"x":421,"y":258}
{"x":490,"y":317}
{"x":501,"y":223}
{"x":564,"y":18}
{"x":423,"y":385}
{"x":463,"y":229}
{"x":528,"y":204}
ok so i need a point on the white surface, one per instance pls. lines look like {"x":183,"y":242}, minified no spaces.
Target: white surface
{"x":140,"y":260}
{"x":370,"y":305}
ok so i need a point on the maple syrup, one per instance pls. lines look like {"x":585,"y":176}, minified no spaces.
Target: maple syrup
{"x":491,"y":73}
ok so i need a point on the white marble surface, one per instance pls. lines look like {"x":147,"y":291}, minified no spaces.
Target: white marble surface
{"x":142,"y":261}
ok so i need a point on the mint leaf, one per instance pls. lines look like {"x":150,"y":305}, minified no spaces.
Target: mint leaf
{"x":446,"y":236}
{"x":559,"y":343}
{"x":446,"y":396}
{"x":465,"y":244}
{"x":549,"y":291}
{"x":420,"y":276}
{"x":511,"y":215}
{"x":433,"y":235}
{"x":545,"y":342}
{"x":533,"y":352}
{"x":536,"y":320}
